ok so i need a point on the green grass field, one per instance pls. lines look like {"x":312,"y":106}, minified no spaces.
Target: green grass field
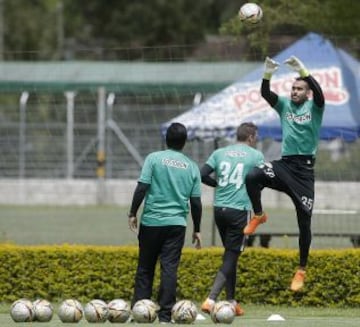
{"x":107,"y":225}
{"x":255,"y":316}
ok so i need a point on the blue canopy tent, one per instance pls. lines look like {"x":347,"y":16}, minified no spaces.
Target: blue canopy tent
{"x":337,"y":72}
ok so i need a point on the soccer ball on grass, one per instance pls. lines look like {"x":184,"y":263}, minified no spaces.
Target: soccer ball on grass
{"x":184,"y":312}
{"x":119,"y":311}
{"x":22,"y":310}
{"x":223,"y":312}
{"x":96,"y":311}
{"x":70,"y":311}
{"x":43,"y":310}
{"x":144,"y":311}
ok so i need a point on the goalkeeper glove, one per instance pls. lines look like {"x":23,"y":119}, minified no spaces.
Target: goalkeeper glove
{"x":296,"y":65}
{"x":270,"y":67}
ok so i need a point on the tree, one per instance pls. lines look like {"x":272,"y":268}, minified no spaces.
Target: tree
{"x":137,"y":24}
{"x":337,"y":20}
{"x":162,"y":29}
{"x":103,"y":28}
{"x":29,"y":29}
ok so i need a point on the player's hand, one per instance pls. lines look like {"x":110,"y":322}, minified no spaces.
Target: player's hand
{"x":270,"y":67}
{"x":296,"y":65}
{"x":133,"y":224}
{"x":196,"y":240}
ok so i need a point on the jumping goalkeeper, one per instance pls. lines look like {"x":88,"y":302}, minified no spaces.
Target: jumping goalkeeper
{"x":293,"y":174}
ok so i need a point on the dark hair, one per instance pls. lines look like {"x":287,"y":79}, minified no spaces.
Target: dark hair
{"x":303,"y":79}
{"x":245,"y":130}
{"x":176,"y":136}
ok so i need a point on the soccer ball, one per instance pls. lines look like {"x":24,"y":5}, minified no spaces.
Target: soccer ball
{"x":96,"y":311}
{"x":22,"y":310}
{"x":43,"y":310}
{"x":223,"y":312}
{"x":70,"y":311}
{"x":184,"y":312}
{"x":250,"y":13}
{"x":119,"y":311}
{"x":144,"y":311}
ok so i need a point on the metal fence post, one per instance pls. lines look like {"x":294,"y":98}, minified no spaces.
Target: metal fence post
{"x":22,"y":134}
{"x":109,"y":153}
{"x":70,"y":96}
{"x":100,"y":170}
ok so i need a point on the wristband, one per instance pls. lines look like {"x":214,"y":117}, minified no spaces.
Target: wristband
{"x":304,"y":72}
{"x":267,"y":76}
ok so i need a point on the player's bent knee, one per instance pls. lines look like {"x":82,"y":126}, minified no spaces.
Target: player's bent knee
{"x":255,"y":175}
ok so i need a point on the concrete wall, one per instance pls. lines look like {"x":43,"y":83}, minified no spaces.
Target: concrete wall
{"x":329,"y":195}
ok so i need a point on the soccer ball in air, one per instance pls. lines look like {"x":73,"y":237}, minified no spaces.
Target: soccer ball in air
{"x":184,"y":312}
{"x":144,"y":311}
{"x":223,"y":312}
{"x":250,"y":13}
{"x":119,"y":311}
{"x":70,"y":311}
{"x":22,"y":310}
{"x":43,"y":310}
{"x":96,"y":311}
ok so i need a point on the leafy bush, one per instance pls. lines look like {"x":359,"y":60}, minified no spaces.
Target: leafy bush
{"x":105,"y":272}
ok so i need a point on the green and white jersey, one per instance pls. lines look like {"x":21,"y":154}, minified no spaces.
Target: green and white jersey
{"x":300,"y":126}
{"x":231,"y":165}
{"x":173,"y":179}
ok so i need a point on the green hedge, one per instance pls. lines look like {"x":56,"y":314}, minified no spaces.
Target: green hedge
{"x":88,"y":272}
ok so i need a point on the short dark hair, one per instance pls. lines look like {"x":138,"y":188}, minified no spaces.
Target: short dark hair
{"x":299,"y":78}
{"x":245,"y":130}
{"x":176,"y":136}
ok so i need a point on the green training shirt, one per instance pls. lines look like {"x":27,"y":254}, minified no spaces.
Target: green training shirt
{"x":173,"y":179}
{"x":231,"y":164}
{"x":300,"y":126}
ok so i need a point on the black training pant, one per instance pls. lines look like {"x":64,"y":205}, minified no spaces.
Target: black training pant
{"x":293,"y":175}
{"x":230,"y":223}
{"x":164,"y":243}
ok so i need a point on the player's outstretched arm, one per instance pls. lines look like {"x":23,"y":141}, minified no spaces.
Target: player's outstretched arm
{"x":318,"y":95}
{"x":297,"y":65}
{"x":270,"y":66}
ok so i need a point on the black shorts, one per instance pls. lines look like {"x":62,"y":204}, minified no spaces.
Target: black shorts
{"x":293,"y":175}
{"x":231,"y":223}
